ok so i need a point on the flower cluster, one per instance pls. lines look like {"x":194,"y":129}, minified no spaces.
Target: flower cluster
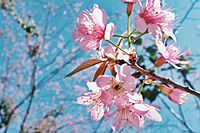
{"x":117,"y":95}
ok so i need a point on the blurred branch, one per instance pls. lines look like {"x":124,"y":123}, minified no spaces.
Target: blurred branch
{"x":153,"y":76}
{"x":187,"y":13}
{"x":178,"y":117}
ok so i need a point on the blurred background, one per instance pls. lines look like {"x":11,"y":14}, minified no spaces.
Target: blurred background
{"x":36,"y":52}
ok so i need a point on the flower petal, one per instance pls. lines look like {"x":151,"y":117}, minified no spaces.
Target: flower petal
{"x":97,"y":111}
{"x":135,"y":121}
{"x":107,"y":97}
{"x":130,"y":83}
{"x":140,"y":109}
{"x":99,"y":14}
{"x":123,"y":72}
{"x":109,"y":31}
{"x":135,"y":98}
{"x":153,"y":115}
{"x":104,"y":81}
{"x":155,"y":31}
{"x":140,"y":24}
{"x":169,"y":32}
{"x":86,"y":99}
{"x":93,"y":86}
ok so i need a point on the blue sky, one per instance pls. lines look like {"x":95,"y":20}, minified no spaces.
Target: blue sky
{"x":63,"y":21}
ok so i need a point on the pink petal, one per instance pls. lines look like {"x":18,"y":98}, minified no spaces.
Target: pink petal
{"x":130,"y":83}
{"x":87,"y":44}
{"x":109,"y":31}
{"x":140,"y":24}
{"x":162,"y":49}
{"x":121,"y":99}
{"x":99,"y":14}
{"x":140,"y":109}
{"x":104,"y":81}
{"x":119,"y":122}
{"x":108,"y":51}
{"x":93,"y":86}
{"x":86,"y":99}
{"x":169,"y":32}
{"x":155,"y":31}
{"x":97,"y":111}
{"x":174,"y":65}
{"x":153,"y":115}
{"x":135,"y":98}
{"x":135,"y":121}
{"x":176,"y":61}
{"x":107,"y":97}
{"x":123,"y":72}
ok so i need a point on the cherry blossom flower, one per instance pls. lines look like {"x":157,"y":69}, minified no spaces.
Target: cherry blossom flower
{"x":93,"y":98}
{"x":169,"y":54}
{"x":155,"y":19}
{"x":175,"y":95}
{"x":116,"y":89}
{"x":91,"y":29}
{"x":109,"y":52}
{"x":134,"y":113}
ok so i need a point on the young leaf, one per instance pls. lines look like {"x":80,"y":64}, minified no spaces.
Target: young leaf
{"x":86,"y":64}
{"x":100,"y":71}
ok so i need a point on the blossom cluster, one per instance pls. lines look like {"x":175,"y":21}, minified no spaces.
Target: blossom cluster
{"x":117,"y":94}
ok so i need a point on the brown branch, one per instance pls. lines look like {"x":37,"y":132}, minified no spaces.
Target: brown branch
{"x":153,"y":76}
{"x":164,"y":80}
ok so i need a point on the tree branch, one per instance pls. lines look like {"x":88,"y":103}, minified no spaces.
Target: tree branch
{"x":153,"y":76}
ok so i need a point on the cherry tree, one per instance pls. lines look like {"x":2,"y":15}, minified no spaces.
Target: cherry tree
{"x":138,"y":72}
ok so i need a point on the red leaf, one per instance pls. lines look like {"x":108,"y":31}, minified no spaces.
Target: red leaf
{"x":86,"y":64}
{"x":100,"y":71}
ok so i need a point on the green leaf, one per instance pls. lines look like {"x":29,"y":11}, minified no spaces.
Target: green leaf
{"x":138,"y":42}
{"x":85,"y":65}
{"x":150,"y":94}
{"x":152,"y":50}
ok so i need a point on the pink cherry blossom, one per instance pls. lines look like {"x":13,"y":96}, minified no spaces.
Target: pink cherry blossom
{"x":134,"y":113}
{"x":93,"y":98}
{"x":116,"y":89}
{"x":91,"y":29}
{"x":169,"y":54}
{"x":155,"y":19}
{"x":109,"y":52}
{"x":175,"y":95}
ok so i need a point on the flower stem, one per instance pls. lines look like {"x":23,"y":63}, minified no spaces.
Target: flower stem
{"x":120,"y":36}
{"x":140,"y":35}
{"x":128,"y":29}
{"x":117,"y":46}
{"x":152,"y":68}
{"x":141,"y":87}
{"x":132,"y":31}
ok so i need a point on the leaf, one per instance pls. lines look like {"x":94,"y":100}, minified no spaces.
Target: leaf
{"x":100,"y":71}
{"x":138,"y":42}
{"x":151,"y":95}
{"x":112,"y":70}
{"x":86,"y":64}
{"x":152,"y":50}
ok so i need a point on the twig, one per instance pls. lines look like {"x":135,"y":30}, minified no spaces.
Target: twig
{"x":153,"y":76}
{"x":176,"y":115}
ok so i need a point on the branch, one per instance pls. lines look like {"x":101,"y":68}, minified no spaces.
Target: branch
{"x":175,"y":114}
{"x":153,"y":76}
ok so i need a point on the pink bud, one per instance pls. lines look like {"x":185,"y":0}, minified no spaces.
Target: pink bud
{"x":175,"y":95}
